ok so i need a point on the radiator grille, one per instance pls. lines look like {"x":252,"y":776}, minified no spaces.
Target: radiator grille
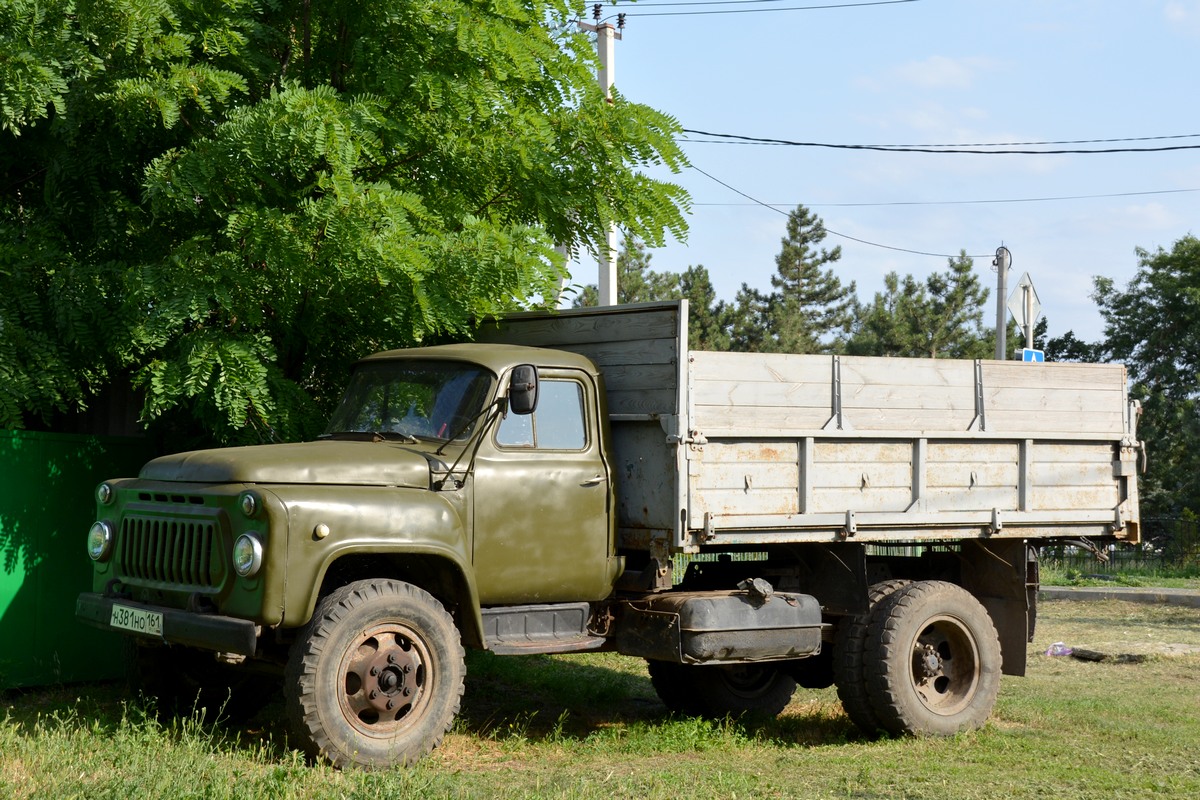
{"x":174,"y":551}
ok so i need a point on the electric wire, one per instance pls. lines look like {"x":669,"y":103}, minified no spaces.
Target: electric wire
{"x":829,"y":230}
{"x":965,"y":202}
{"x":656,"y":4}
{"x":755,"y":10}
{"x":961,"y":148}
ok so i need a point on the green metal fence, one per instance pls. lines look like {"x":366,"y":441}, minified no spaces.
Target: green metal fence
{"x":46,"y":506}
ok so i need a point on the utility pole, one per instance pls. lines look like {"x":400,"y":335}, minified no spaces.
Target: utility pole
{"x":1001,"y":264}
{"x":606,"y":36}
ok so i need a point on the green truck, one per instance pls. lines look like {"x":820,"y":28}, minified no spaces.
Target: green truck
{"x":582,"y":481}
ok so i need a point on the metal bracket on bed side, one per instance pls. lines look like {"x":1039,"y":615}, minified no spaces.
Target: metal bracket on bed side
{"x":979,"y":423}
{"x":837,"y":420}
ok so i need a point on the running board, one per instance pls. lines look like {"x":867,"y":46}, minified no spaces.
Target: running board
{"x":554,"y":628}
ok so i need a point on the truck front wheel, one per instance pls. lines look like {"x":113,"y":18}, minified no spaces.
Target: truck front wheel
{"x":932,"y":661}
{"x":376,"y":676}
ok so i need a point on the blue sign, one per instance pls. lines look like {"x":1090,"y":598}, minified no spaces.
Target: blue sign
{"x":1031,"y":355}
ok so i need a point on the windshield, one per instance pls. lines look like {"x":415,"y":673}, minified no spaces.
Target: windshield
{"x":425,"y":399}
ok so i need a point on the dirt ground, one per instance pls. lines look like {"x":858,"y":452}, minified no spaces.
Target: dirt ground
{"x":1116,"y":628}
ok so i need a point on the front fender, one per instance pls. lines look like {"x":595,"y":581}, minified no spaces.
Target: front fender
{"x":328,"y":523}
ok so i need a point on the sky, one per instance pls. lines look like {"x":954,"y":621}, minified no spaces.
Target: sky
{"x":927,"y":72}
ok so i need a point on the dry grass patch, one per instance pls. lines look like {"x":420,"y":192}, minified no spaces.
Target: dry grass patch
{"x":590,"y":726}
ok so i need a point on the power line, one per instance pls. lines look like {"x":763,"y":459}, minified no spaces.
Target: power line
{"x":959,"y":148}
{"x":655,"y":4}
{"x":750,"y":10}
{"x":651,"y":4}
{"x":753,"y":140}
{"x":777,"y":206}
{"x":756,"y":201}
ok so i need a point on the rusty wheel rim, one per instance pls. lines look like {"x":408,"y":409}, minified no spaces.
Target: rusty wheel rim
{"x":385,"y":680}
{"x":748,"y":680}
{"x":945,"y":665}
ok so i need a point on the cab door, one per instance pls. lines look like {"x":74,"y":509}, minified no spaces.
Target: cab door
{"x":542,"y":500}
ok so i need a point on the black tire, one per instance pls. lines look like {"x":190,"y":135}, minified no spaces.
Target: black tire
{"x":849,"y":644}
{"x":738,"y":689}
{"x":375,"y":678}
{"x":932,"y":661}
{"x":814,"y":672}
{"x":672,"y":683}
{"x":722,"y":690}
{"x":187,"y":682}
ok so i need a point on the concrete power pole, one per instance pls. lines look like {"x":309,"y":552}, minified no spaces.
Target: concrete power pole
{"x":1001,"y":263}
{"x":606,"y":36}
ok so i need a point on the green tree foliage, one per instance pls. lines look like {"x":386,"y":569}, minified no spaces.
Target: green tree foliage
{"x":808,"y":309}
{"x":230,"y":202}
{"x":710,"y":319}
{"x":1153,"y":326}
{"x":1069,"y":347}
{"x":941,"y":316}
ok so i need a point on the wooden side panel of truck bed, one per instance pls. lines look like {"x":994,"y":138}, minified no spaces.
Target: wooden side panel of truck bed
{"x":717,"y":449}
{"x":891,"y":449}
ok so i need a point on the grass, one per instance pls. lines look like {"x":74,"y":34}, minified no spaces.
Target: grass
{"x":591,"y":727}
{"x":1148,"y":576}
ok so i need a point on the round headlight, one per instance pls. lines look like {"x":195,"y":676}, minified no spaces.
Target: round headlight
{"x":104,"y":494}
{"x":249,"y":503}
{"x":247,"y":555}
{"x":99,"y":541}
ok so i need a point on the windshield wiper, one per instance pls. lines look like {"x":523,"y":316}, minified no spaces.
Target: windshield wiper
{"x":375,"y":436}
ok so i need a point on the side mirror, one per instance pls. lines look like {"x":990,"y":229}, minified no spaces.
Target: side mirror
{"x":523,"y":389}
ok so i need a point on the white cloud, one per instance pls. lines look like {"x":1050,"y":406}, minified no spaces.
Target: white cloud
{"x":1183,"y":16}
{"x":1151,"y":217}
{"x":935,"y":72}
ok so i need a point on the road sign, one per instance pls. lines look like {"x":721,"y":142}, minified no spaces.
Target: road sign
{"x":1023,"y":303}
{"x":1031,"y":355}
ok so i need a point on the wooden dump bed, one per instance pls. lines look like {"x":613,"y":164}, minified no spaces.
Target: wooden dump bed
{"x":720,"y":449}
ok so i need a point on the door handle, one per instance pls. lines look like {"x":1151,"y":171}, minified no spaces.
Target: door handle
{"x":596,"y":481}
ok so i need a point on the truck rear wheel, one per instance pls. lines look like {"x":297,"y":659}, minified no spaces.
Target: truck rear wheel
{"x":376,"y":677}
{"x":673,"y":686}
{"x":849,"y":643}
{"x":721,"y":690}
{"x":932,"y":661}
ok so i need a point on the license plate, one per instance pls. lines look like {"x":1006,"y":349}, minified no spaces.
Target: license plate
{"x":138,"y":620}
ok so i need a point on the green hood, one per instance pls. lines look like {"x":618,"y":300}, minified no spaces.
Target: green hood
{"x":332,"y":462}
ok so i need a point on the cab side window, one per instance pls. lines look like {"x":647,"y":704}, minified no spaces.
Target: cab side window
{"x":558,"y":423}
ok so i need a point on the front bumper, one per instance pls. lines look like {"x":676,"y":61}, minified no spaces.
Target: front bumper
{"x":207,"y":631}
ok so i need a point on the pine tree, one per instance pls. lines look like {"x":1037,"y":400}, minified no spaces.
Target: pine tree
{"x":710,"y":319}
{"x":636,"y":282}
{"x":808,"y":310}
{"x":941,"y":316}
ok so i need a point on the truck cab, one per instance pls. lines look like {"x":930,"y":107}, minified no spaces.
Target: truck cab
{"x":423,"y":456}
